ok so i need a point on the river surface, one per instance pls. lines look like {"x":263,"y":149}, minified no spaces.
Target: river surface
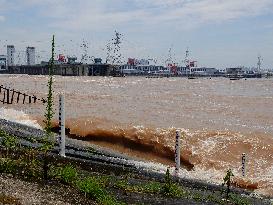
{"x":219,"y":119}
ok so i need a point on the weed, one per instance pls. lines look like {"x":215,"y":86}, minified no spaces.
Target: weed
{"x":49,"y":144}
{"x":8,"y":166}
{"x":227,"y":181}
{"x":29,"y":164}
{"x":152,"y":187}
{"x":67,"y":174}
{"x":238,"y":200}
{"x":93,"y":189}
{"x":121,"y":184}
{"x":197,"y":197}
{"x":170,"y":188}
{"x":8,"y":141}
{"x":215,"y":199}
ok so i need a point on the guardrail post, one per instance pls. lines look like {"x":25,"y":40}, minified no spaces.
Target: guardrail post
{"x":62,"y":124}
{"x":243,"y":164}
{"x":177,"y":152}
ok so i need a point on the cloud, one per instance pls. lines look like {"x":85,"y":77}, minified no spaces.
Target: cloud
{"x":2,"y":18}
{"x":104,"y":14}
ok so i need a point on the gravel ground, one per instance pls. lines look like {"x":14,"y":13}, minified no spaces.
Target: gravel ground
{"x":33,"y":193}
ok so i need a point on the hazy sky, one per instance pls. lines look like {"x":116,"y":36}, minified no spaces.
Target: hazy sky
{"x":219,"y":33}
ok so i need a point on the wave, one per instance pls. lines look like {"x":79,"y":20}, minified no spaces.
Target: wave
{"x":19,"y":117}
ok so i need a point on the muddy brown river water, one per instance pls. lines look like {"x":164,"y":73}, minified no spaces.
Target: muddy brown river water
{"x":219,"y":119}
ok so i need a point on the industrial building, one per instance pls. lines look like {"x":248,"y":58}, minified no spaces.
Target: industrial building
{"x":10,"y":55}
{"x":30,"y":54}
{"x":3,"y":62}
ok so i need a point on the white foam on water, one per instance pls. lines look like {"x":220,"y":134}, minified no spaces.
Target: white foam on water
{"x":211,"y":176}
{"x":18,"y":117}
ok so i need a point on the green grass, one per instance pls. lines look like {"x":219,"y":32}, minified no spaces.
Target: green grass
{"x":67,"y":174}
{"x":8,"y":165}
{"x":238,"y":200}
{"x":92,"y":188}
{"x":8,"y":141}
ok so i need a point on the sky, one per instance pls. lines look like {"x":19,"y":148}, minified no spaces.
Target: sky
{"x":218,"y":33}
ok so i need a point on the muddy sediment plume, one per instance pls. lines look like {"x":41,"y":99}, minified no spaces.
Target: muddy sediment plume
{"x":147,"y":142}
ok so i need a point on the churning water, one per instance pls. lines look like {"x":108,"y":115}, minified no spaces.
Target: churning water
{"x":220,"y":119}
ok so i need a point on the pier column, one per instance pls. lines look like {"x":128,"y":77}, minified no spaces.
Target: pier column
{"x":62,"y":124}
{"x":177,"y":152}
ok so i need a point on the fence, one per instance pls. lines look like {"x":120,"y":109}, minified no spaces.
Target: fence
{"x":11,"y":96}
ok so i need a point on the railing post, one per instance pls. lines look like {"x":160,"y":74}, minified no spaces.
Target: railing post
{"x":7,"y":91}
{"x":18,"y":97}
{"x":62,"y":124}
{"x":12,"y":96}
{"x":4,"y":97}
{"x":243,"y":164}
{"x":177,"y":152}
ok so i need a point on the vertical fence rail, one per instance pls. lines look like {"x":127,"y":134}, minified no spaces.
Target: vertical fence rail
{"x":177,"y":153}
{"x":62,"y":124}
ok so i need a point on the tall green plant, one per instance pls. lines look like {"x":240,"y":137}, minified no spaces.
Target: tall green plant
{"x":48,"y":142}
{"x":9,"y":142}
{"x":171,"y":189}
{"x":227,"y":181}
{"x":49,"y":107}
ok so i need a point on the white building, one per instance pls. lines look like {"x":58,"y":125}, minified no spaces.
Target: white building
{"x":10,"y":55}
{"x":30,"y":53}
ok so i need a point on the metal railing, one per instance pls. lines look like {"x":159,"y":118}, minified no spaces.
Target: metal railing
{"x":11,"y":96}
